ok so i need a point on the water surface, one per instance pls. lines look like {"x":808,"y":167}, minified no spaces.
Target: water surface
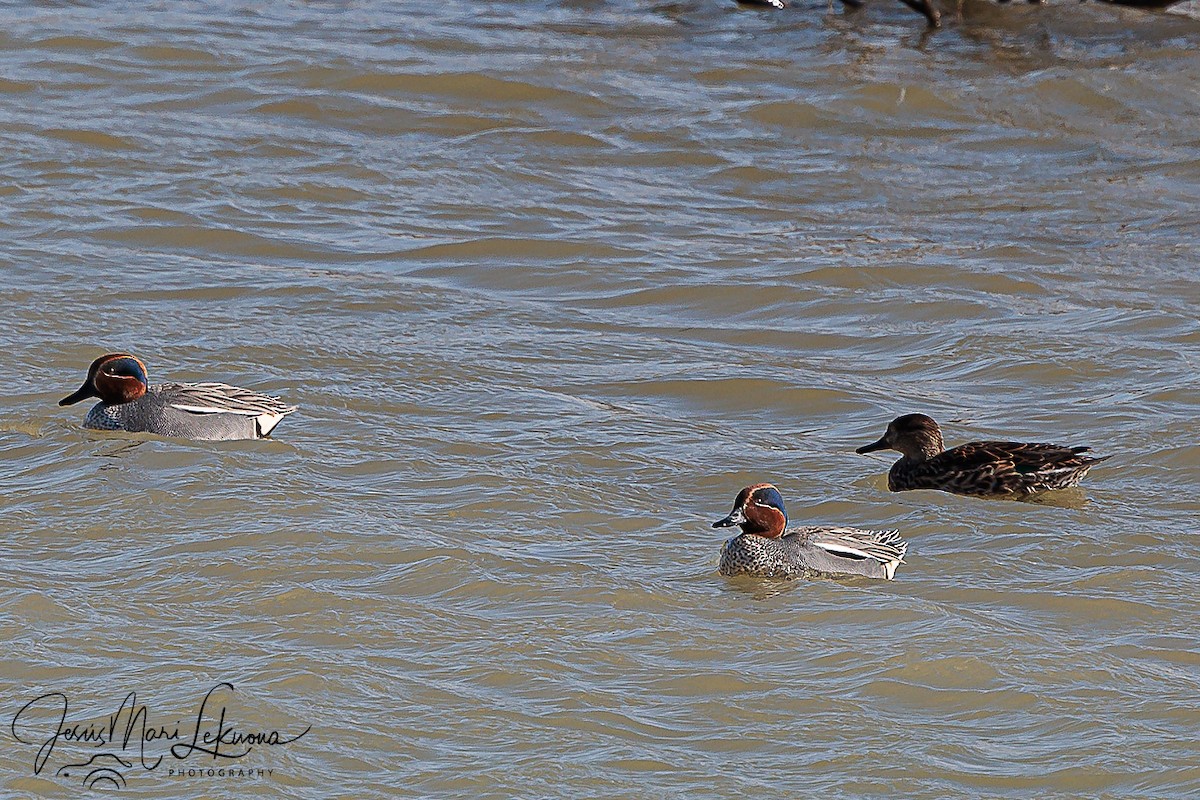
{"x":551,"y":282}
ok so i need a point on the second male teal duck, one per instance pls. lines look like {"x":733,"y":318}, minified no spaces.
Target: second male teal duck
{"x":979,"y":469}
{"x":765,"y":548}
{"x":209,"y":411}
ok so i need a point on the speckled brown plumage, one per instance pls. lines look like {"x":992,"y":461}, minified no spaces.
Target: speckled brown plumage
{"x":979,"y":469}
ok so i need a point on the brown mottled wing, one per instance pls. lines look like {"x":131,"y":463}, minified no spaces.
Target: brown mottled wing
{"x":1009,"y":467}
{"x":1034,"y":457}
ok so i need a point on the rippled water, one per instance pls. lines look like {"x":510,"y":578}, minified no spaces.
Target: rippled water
{"x":551,"y":282}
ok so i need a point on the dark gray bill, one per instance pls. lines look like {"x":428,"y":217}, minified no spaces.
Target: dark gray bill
{"x":737,"y":517}
{"x":871,"y":448}
{"x":83,"y":393}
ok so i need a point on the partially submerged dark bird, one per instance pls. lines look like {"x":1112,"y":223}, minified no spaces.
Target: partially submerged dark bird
{"x":933,"y":17}
{"x":765,"y":548}
{"x":923,"y":7}
{"x":980,"y":469}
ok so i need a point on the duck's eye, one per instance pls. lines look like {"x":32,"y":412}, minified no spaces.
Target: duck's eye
{"x":768,"y":497}
{"x":124,"y":368}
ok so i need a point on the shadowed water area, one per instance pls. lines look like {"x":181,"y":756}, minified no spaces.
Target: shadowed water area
{"x":550,"y":283}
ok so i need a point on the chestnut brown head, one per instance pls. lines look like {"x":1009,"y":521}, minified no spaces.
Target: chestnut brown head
{"x":758,"y":509}
{"x":114,"y":378}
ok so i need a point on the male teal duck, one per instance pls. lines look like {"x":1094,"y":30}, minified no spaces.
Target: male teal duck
{"x":208,"y":411}
{"x":765,"y":548}
{"x":978,"y":469}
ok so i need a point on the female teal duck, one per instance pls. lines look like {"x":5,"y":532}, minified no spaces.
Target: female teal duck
{"x":979,"y":469}
{"x":211,"y":411}
{"x":764,"y":549}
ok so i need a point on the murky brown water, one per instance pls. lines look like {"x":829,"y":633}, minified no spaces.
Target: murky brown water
{"x":551,"y":282}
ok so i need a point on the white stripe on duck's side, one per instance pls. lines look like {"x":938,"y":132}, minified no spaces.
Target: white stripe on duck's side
{"x":221,"y":398}
{"x":886,"y":547}
{"x":879,"y":545}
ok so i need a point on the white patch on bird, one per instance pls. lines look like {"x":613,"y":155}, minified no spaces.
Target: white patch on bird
{"x":834,"y":547}
{"x":267,"y":423}
{"x":211,"y":410}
